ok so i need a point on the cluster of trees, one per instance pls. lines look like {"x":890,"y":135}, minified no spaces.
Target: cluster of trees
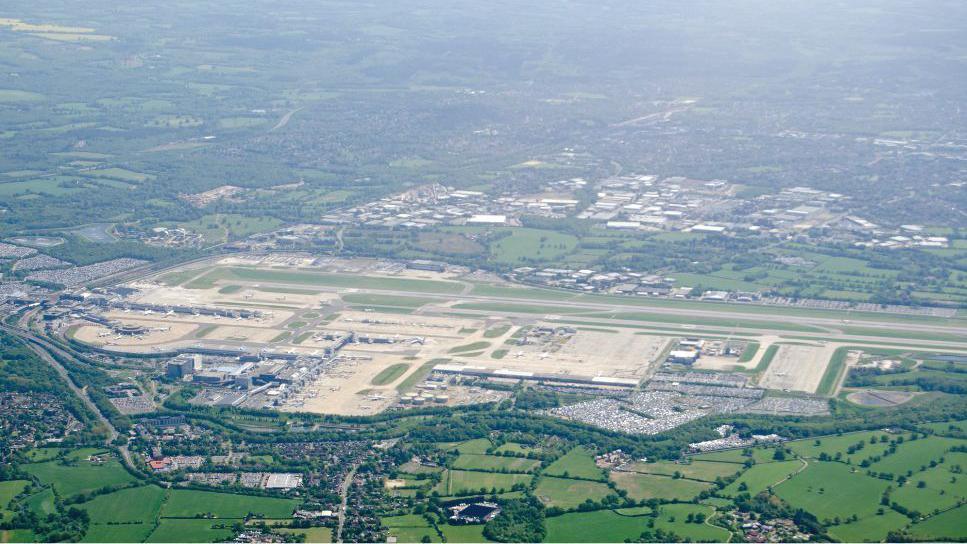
{"x":64,"y":525}
{"x":520,"y":520}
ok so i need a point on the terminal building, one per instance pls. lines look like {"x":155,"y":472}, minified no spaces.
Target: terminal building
{"x":584,"y":381}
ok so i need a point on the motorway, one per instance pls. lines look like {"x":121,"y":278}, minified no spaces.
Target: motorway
{"x":44,"y":348}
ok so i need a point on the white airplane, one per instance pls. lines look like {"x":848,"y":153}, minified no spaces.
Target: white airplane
{"x":127,"y":310}
{"x":148,"y":312}
{"x":519,"y":354}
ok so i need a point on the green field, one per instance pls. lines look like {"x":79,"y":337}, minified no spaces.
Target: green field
{"x":577,"y":463}
{"x":410,"y":528}
{"x":495,"y":332}
{"x":943,"y":489}
{"x":599,"y":526}
{"x":495,"y":463}
{"x":191,"y":530}
{"x":870,"y":529}
{"x":390,"y":374}
{"x":119,"y":174}
{"x":914,"y":453}
{"x":566,"y":493}
{"x":312,"y":535}
{"x":759,"y":455}
{"x":837,"y":364}
{"x":672,"y":517}
{"x":525,"y":245}
{"x":9,"y":490}
{"x":653,"y":486}
{"x":478,"y":446}
{"x":830,"y":490}
{"x":41,"y":503}
{"x":514,"y":447}
{"x":697,"y":470}
{"x":128,"y":532}
{"x":184,"y":503}
{"x":37,"y":455}
{"x":760,"y":477}
{"x":463,"y":533}
{"x":81,"y":477}
{"x":17,"y":535}
{"x":948,"y":525}
{"x":462,"y":482}
{"x":135,"y":504}
{"x":749,"y":352}
{"x":474,"y":346}
{"x":831,"y":445}
{"x":418,"y":375}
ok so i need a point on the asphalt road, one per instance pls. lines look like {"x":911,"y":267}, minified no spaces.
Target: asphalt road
{"x":43,"y":349}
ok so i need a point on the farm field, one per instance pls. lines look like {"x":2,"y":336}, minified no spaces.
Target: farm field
{"x":566,"y":493}
{"x":598,"y":526}
{"x":914,"y":453}
{"x":126,"y":532}
{"x":81,"y":477}
{"x":831,"y":445}
{"x":41,"y":503}
{"x":183,"y":503}
{"x":127,"y":505}
{"x":673,"y":517}
{"x":870,"y":529}
{"x":531,"y":243}
{"x":462,"y":482}
{"x":9,"y":490}
{"x":191,"y":530}
{"x":942,"y":489}
{"x":759,"y":455}
{"x":697,"y":470}
{"x":495,"y":463}
{"x":313,"y":535}
{"x":463,"y":533}
{"x":577,"y":463}
{"x":760,"y":477}
{"x":831,"y":490}
{"x":478,"y":446}
{"x":652,"y":486}
{"x":410,"y":528}
{"x":948,"y":525}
